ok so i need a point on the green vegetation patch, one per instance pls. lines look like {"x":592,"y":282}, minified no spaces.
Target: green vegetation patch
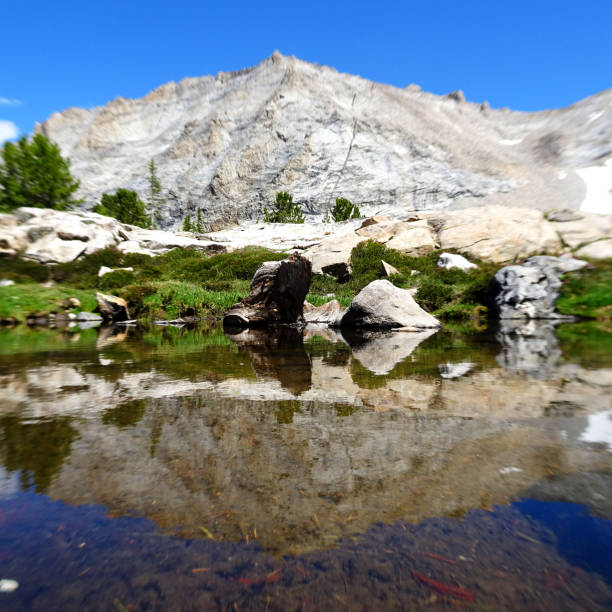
{"x":588,"y":292}
{"x":19,"y":302}
{"x":450,"y":294}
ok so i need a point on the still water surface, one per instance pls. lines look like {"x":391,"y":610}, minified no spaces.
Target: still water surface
{"x":189,"y":469}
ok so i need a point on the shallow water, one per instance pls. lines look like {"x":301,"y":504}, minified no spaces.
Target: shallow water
{"x":180,"y":469}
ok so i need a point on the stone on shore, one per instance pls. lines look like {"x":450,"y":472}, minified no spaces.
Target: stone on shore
{"x":112,"y":308}
{"x":450,"y":260}
{"x":277,"y":295}
{"x":381,"y":305}
{"x":326,"y":313}
{"x":530,"y":290}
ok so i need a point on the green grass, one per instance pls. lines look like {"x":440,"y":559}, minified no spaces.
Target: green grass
{"x":588,"y":292}
{"x":18,"y":302}
{"x":173,"y":299}
{"x":185,"y":282}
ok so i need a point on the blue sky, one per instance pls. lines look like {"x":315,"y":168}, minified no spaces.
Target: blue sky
{"x":528,"y":55}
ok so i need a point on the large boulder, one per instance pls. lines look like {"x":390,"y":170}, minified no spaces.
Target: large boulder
{"x":277,"y":295}
{"x":496,"y":233}
{"x":112,"y":308}
{"x":333,"y":255}
{"x":530,"y":290}
{"x":382,"y":305}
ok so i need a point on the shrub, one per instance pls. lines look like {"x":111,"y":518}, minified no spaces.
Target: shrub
{"x":125,"y":206}
{"x":284,"y":210}
{"x":342,"y":210}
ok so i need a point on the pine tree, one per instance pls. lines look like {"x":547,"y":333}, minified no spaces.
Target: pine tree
{"x":187,"y":224}
{"x":199,"y":224}
{"x":34,"y":173}
{"x":125,"y":206}
{"x":156,"y":200}
{"x":284,"y":210}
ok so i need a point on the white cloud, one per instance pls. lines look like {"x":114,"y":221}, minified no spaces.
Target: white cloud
{"x":10,"y":102}
{"x":8,"y":130}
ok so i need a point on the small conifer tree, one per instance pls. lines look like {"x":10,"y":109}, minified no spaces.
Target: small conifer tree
{"x":199,"y":224}
{"x":284,"y":210}
{"x":187,"y":224}
{"x":125,"y":206}
{"x":156,"y":199}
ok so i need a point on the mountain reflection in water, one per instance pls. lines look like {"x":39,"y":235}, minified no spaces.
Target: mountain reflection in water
{"x":300,"y":440}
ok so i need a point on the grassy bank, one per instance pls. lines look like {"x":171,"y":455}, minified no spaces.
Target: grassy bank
{"x":188,"y":283}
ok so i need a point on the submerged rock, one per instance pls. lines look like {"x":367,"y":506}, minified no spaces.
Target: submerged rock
{"x":277,"y":295}
{"x":382,"y":305}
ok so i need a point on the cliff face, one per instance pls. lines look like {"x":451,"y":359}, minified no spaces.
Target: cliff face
{"x":227,"y":144}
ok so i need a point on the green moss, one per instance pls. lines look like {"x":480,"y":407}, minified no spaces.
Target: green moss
{"x":588,"y":292}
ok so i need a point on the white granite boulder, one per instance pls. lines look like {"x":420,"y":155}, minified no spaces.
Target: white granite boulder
{"x":382,"y":305}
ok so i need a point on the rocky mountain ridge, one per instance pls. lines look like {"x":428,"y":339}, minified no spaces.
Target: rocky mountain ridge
{"x":227,"y":144}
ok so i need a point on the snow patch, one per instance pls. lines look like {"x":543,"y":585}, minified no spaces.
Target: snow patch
{"x":562,"y":175}
{"x":598,"y":181}
{"x":509,"y":143}
{"x":599,"y":429}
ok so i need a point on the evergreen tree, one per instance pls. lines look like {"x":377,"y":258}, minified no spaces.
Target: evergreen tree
{"x":284,"y":210}
{"x":156,"y":199}
{"x":199,"y":224}
{"x":125,"y":206}
{"x":34,"y":173}
{"x":344,"y":209}
{"x":187,"y":224}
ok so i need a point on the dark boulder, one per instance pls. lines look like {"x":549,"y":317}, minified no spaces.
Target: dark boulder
{"x":277,"y":295}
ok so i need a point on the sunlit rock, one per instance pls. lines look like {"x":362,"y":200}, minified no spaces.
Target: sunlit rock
{"x":382,"y":305}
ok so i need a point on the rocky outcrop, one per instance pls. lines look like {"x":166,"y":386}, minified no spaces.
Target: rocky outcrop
{"x":227,"y":144}
{"x":529,"y":291}
{"x":277,"y":295}
{"x":52,"y":236}
{"x":382,"y":305}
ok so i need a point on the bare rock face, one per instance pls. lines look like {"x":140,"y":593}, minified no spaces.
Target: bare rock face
{"x":497,"y":234}
{"x":277,"y":295}
{"x":227,"y":144}
{"x":382,"y":305}
{"x":112,"y":308}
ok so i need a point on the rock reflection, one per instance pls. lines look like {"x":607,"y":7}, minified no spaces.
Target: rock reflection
{"x":381,"y":352}
{"x":277,"y":353}
{"x":530,"y":346}
{"x":297,"y":440}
